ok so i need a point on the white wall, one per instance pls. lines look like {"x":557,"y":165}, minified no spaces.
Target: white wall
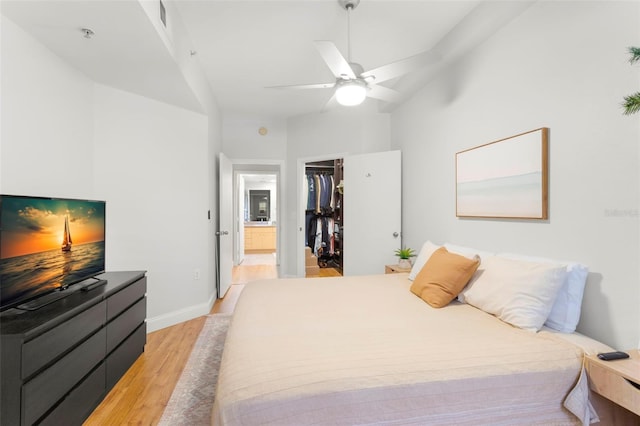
{"x":241,"y":139}
{"x":150,"y":167}
{"x":178,"y":43}
{"x":47,"y":126}
{"x":561,"y":65}
{"x":65,"y":136}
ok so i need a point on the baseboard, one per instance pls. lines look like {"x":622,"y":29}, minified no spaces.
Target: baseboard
{"x":182,"y":315}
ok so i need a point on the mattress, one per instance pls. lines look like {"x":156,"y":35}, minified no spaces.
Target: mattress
{"x":365,"y":350}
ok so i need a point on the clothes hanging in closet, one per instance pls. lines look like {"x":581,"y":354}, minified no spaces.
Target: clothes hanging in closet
{"x":320,"y":235}
{"x":319,"y":190}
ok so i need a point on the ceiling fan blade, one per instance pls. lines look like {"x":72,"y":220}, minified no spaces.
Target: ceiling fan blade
{"x":383,"y":93}
{"x":401,"y":67}
{"x":305,"y":86}
{"x":332,"y":103}
{"x":334,"y":59}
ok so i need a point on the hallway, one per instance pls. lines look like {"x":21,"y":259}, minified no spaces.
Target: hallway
{"x":255,"y":267}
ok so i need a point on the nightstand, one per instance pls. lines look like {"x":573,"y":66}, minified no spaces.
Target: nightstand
{"x":395,"y":269}
{"x":618,"y":381}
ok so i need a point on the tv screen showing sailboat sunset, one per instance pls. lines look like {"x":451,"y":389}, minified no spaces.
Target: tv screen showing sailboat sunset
{"x":48,"y":243}
{"x":36,"y":225}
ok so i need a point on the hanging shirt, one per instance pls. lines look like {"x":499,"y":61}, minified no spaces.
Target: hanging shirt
{"x":318,"y":241}
{"x":332,"y":203}
{"x":326,"y":242}
{"x":310,"y":228}
{"x":318,"y":186}
{"x":330,"y":228}
{"x":311,"y":192}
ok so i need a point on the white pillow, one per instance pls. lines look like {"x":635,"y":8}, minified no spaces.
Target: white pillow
{"x":467,"y":252}
{"x":518,"y":292}
{"x":425,"y":253}
{"x":565,"y":313}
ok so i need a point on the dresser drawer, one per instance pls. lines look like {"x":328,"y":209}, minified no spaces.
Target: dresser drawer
{"x":125,"y":355}
{"x":45,"y":348}
{"x":614,"y":387}
{"x":124,"y":298}
{"x":125,"y":324}
{"x":88,"y":394}
{"x":41,"y":393}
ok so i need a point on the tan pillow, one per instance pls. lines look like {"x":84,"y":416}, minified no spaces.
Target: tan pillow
{"x":443,"y":277}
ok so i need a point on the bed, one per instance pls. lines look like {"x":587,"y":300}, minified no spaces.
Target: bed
{"x":366,"y":350}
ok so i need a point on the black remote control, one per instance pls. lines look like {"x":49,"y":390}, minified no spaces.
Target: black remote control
{"x":610,"y":356}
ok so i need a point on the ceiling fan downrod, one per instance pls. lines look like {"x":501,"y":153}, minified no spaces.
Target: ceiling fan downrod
{"x":349,"y":5}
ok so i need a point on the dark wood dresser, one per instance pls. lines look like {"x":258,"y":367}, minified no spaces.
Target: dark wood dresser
{"x":58,"y":362}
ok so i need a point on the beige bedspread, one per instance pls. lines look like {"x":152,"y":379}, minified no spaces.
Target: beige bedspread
{"x":365,"y":350}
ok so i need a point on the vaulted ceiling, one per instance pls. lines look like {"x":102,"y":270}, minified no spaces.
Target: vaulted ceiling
{"x":243,"y":47}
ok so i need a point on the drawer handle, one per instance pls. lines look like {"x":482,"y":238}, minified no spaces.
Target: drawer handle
{"x":634,"y":384}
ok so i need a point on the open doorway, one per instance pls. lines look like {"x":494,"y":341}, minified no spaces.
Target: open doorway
{"x":322,"y":200}
{"x":232,"y":214}
{"x":256,"y":254}
{"x":371,"y":218}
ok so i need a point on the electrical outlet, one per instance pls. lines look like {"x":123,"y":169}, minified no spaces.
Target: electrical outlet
{"x":196,"y":274}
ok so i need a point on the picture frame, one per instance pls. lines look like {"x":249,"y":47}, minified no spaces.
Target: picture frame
{"x":507,"y":178}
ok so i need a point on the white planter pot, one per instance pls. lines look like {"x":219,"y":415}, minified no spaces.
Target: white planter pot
{"x":404,"y":263}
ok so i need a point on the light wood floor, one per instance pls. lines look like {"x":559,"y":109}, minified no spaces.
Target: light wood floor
{"x":140,"y":396}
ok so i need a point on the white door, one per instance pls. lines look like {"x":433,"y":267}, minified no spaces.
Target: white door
{"x":372,"y":211}
{"x":238,"y":217}
{"x":225,"y":232}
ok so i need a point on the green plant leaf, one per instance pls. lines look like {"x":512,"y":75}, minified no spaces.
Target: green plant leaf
{"x":405,"y":253}
{"x":635,"y":54}
{"x":631,"y":104}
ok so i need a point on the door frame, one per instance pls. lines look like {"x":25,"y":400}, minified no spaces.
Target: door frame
{"x":301,"y":227}
{"x":249,"y":166}
{"x":240,"y":187}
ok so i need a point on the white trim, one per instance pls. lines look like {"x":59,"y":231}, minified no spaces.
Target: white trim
{"x":179,"y":316}
{"x":260,"y":162}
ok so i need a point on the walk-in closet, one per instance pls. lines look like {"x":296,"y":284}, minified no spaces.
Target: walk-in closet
{"x":323,"y":192}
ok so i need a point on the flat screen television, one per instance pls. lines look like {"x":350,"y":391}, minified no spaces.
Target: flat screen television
{"x":48,"y":244}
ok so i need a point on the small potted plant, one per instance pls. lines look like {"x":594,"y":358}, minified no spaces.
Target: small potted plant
{"x":405,"y":254}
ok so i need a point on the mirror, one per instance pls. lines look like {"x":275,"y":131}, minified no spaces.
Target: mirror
{"x":259,"y":205}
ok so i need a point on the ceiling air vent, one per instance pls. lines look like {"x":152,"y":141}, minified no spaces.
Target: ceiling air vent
{"x":163,"y":14}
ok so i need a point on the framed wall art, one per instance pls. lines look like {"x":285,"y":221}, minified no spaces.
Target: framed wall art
{"x":508,"y":178}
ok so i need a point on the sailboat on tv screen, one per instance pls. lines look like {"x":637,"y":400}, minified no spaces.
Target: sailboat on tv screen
{"x":66,"y":238}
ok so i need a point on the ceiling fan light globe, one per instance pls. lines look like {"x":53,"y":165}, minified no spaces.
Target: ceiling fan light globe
{"x":351,"y":93}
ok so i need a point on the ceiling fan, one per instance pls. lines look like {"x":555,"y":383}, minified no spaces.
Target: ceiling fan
{"x":353,"y":84}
